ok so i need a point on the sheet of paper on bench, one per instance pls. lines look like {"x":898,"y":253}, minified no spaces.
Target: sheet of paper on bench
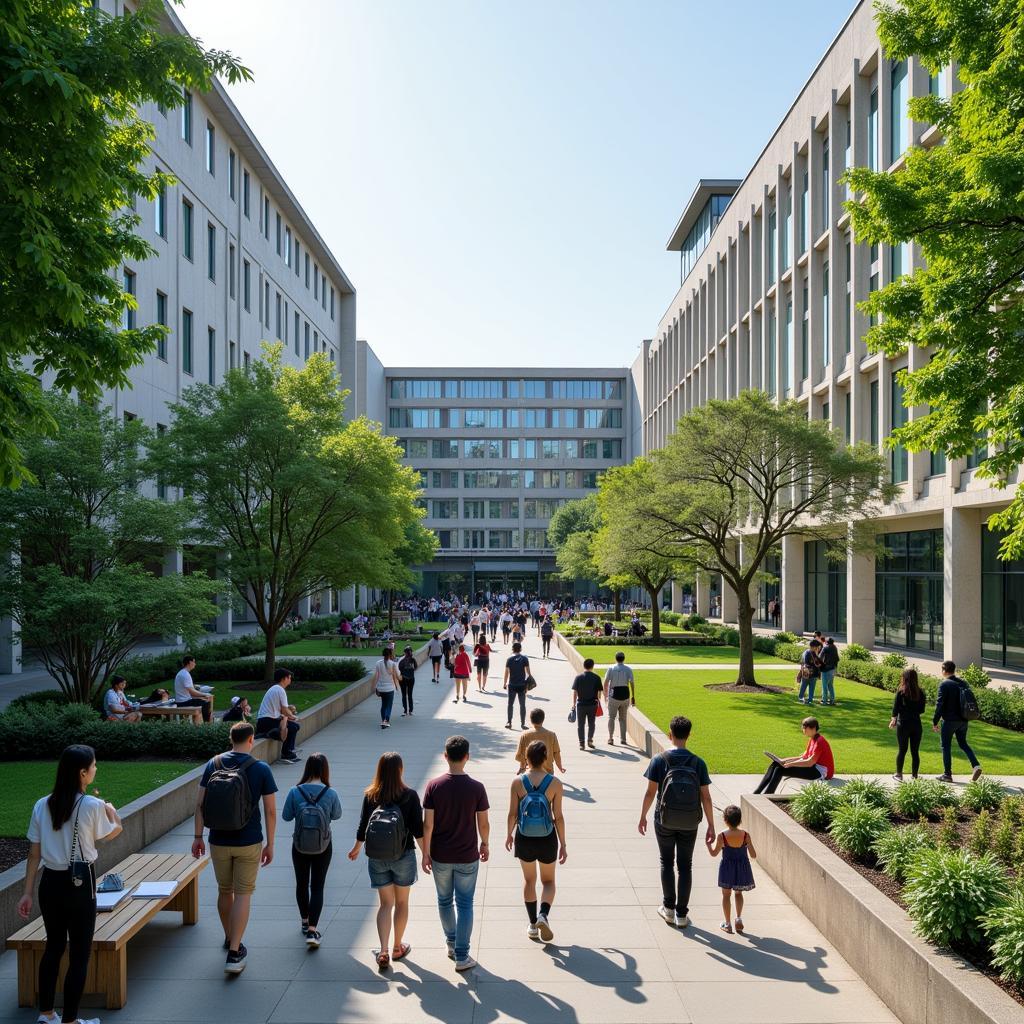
{"x":154,"y":890}
{"x":109,"y":900}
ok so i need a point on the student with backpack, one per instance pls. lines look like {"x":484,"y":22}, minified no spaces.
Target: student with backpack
{"x":547,"y":631}
{"x":679,"y":780}
{"x":955,"y":707}
{"x":536,"y":831}
{"x":407,"y":679}
{"x":390,"y":828}
{"x":517,"y":682}
{"x":228,"y":803}
{"x":312,"y":805}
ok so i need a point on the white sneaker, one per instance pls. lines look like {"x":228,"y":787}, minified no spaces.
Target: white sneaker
{"x":668,"y":916}
{"x":48,"y":1018}
{"x":532,"y":932}
{"x":465,"y":965}
{"x":682,"y":921}
{"x":545,"y":929}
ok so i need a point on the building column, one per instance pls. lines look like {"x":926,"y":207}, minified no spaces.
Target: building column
{"x":10,"y":634}
{"x":729,"y":600}
{"x":792,"y":586}
{"x":702,"y":595}
{"x":305,"y":606}
{"x":961,"y":571}
{"x":677,"y":597}
{"x":860,"y":599}
{"x":225,"y":613}
{"x":348,"y":600}
{"x":174,"y":564}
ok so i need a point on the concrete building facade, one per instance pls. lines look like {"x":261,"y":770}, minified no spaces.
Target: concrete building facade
{"x":770,"y":280}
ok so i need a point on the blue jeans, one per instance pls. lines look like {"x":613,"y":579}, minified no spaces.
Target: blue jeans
{"x":456,"y":883}
{"x":807,"y":686}
{"x":828,"y":686}
{"x":386,"y":700}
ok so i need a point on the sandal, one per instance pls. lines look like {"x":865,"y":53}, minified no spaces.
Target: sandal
{"x":401,"y":952}
{"x":383,"y":961}
{"x":726,"y":927}
{"x":739,"y":925}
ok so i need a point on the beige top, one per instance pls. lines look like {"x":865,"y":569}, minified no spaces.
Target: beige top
{"x":547,"y":737}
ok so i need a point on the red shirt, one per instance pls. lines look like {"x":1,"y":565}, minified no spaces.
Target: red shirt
{"x":819,"y":750}
{"x":462,"y":665}
{"x":482,"y":650}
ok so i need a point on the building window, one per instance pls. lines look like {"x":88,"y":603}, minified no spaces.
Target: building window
{"x":1002,"y":604}
{"x":332,"y":302}
{"x":232,"y":357}
{"x":826,"y":316}
{"x":787,"y":225}
{"x":772,"y":231}
{"x":787,"y":351}
{"x":161,"y":318}
{"x":899,"y":126}
{"x":307,"y":269}
{"x":186,"y":341}
{"x":211,"y":252}
{"x":805,"y":332}
{"x":246,"y":282}
{"x":306,"y":342}
{"x":805,"y":211}
{"x":128,"y":316}
{"x":161,"y":487}
{"x":937,"y":84}
{"x":287,"y":247}
{"x":277,"y":233}
{"x":245,"y":361}
{"x":316,"y":281}
{"x":285,"y":336}
{"x":848,"y":310}
{"x":848,"y":415}
{"x":211,"y":355}
{"x":266,"y":303}
{"x":772,"y":355}
{"x":296,"y":261}
{"x":277,"y":316}
{"x":826,"y":187}
{"x":186,"y":118}
{"x":316,"y":341}
{"x":909,"y":590}
{"x":873,"y":130}
{"x":899,"y":260}
{"x":186,"y":229}
{"x":824,"y":588}
{"x":900,"y":415}
{"x":873,"y":414}
{"x":245,"y":192}
{"x":296,"y":332}
{"x":231,"y":271}
{"x":160,"y":212}
{"x":266,"y":220}
{"x":211,"y":148}
{"x":231,"y":175}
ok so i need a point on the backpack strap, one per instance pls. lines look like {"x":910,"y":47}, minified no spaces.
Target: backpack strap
{"x":527,"y":784}
{"x":544,"y":783}
{"x":312,"y":802}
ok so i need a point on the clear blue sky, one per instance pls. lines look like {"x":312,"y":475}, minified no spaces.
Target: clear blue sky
{"x":499,"y":179}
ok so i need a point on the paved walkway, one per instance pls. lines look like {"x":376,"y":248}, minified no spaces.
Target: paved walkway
{"x":612,"y":960}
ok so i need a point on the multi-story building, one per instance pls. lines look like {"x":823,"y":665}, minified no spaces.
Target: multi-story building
{"x":771,"y":278}
{"x":498,"y":451}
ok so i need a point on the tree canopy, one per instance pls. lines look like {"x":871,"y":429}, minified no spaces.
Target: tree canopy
{"x":963,"y":203}
{"x":72,"y":154}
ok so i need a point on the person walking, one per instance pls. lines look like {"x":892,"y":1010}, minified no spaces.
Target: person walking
{"x":312,"y":805}
{"x":386,"y":681}
{"x":828,"y":657}
{"x":516,"y":682}
{"x":553,"y":752}
{"x":620,"y":695}
{"x":231,"y":810}
{"x":547,"y":631}
{"x":809,"y":672}
{"x":391,"y":827}
{"x":506,"y":624}
{"x":680,"y":782}
{"x":587,"y":690}
{"x":482,"y":661}
{"x":492,"y":622}
{"x":407,"y":679}
{"x":277,"y":718}
{"x":735,"y":875}
{"x":907,"y":708}
{"x":536,"y":832}
{"x":955,"y":706}
{"x":435,"y":651}
{"x":777,"y":613}
{"x":474,"y":624}
{"x":63,"y":833}
{"x":816,"y":762}
{"x":461,"y":669}
{"x":454,"y":816}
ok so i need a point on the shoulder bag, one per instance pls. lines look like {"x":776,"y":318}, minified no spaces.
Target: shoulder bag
{"x":81,"y":872}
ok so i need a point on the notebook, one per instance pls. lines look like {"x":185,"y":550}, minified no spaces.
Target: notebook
{"x":154,"y":890}
{"x":109,"y":900}
{"x":772,"y":757}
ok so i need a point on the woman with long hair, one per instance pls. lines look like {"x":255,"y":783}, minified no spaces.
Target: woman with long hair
{"x":482,"y":661}
{"x":391,"y":825}
{"x":63,"y":832}
{"x":907,"y":708}
{"x":386,"y":681}
{"x":311,"y":850}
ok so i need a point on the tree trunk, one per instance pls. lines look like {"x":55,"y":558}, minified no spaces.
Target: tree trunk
{"x":391,"y":613}
{"x":618,"y":605}
{"x":270,"y":632}
{"x":655,"y":614}
{"x":744,"y":623}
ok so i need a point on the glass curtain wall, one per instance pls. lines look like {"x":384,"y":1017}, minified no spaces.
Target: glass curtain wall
{"x":824,"y":590}
{"x":1002,"y":604}
{"x":908,"y":590}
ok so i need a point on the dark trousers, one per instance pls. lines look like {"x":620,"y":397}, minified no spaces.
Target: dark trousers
{"x":948,"y":731}
{"x":407,"y":685}
{"x":909,"y":735}
{"x":545,"y":644}
{"x":69,"y":915}
{"x":274,"y":727}
{"x":197,"y":702}
{"x":494,"y":630}
{"x":310,"y":876}
{"x":776,"y":773}
{"x":675,"y":848}
{"x":586,"y":717}
{"x":517,"y":693}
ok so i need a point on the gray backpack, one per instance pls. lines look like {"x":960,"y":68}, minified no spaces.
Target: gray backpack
{"x":312,"y":825}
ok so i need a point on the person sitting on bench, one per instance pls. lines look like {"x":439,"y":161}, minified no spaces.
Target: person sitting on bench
{"x":816,"y":762}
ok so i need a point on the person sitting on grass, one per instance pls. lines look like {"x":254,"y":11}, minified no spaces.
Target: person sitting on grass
{"x":816,"y":762}
{"x":116,"y":707}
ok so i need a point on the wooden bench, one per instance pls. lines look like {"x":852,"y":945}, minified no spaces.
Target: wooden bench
{"x":195,"y":715}
{"x":108,"y":965}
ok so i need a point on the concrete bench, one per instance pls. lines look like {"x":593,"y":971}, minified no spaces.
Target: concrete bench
{"x":108,"y":966}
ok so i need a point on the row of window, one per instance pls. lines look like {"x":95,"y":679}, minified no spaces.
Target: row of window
{"x":494,"y":508}
{"x":497,"y":419}
{"x":493,"y":540}
{"x":551,"y":479}
{"x":505,"y":388}
{"x":529,"y":448}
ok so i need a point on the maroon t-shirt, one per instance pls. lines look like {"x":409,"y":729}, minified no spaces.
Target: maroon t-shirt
{"x":455,"y":800}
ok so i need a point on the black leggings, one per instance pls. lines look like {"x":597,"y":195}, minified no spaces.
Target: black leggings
{"x":520,"y":693}
{"x":69,"y":914}
{"x":909,"y":735}
{"x":406,"y":686}
{"x":776,"y":773}
{"x":310,"y":875}
{"x":545,"y":644}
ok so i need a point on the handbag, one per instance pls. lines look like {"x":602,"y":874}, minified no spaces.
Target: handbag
{"x":600,"y":710}
{"x":572,"y":714}
{"x":531,"y":683}
{"x":80,"y":870}
{"x":111,"y":882}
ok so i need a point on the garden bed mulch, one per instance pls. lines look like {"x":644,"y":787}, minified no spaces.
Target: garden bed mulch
{"x":12,"y":851}
{"x":749,"y":688}
{"x":891,"y":888}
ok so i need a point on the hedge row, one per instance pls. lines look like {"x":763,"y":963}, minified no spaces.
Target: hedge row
{"x":643,"y":641}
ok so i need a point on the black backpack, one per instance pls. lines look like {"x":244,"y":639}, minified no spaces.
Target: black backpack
{"x":679,"y":797}
{"x":969,"y":710}
{"x":228,"y":804}
{"x":385,"y":833}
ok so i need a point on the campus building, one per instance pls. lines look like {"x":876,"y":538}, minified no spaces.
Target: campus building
{"x":770,"y":279}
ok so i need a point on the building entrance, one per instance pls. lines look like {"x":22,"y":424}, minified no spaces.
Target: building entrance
{"x":510,"y":583}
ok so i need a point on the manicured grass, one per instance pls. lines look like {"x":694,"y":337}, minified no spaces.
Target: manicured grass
{"x":604,"y":654}
{"x":24,"y":782}
{"x":333,"y":649}
{"x":298,"y":694}
{"x":730,"y":730}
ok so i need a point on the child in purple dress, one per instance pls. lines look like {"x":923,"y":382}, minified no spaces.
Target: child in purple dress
{"x":735,"y":875}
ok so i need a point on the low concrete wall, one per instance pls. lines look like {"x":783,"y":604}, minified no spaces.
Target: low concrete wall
{"x":571,"y":654}
{"x":919,"y":983}
{"x":155,"y":814}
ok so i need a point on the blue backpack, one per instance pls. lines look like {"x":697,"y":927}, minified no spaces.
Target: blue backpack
{"x":534,"y":818}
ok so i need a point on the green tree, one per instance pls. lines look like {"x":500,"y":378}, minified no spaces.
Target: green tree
{"x":298,"y":498}
{"x":417,"y":547}
{"x":625,"y":548}
{"x":82,"y":593}
{"x":72,"y":150}
{"x":571,"y":531}
{"x":739,"y":477}
{"x":962,"y":202}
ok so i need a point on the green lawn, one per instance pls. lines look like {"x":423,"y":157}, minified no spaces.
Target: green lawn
{"x":298,"y":694}
{"x":696,"y":654}
{"x":24,"y":782}
{"x":730,"y":730}
{"x":333,"y":649}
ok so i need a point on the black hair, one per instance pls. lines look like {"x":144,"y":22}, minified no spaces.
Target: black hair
{"x":810,"y":723}
{"x":517,"y":647}
{"x":620,"y":655}
{"x":281,"y":673}
{"x":680,"y":727}
{"x":733,"y":816}
{"x":241,"y":732}
{"x":457,"y":748}
{"x":588,"y":664}
{"x":536,"y":753}
{"x":537,"y":716}
{"x":67,"y":786}
{"x":114,"y":680}
{"x":316,"y":768}
{"x":186,"y":659}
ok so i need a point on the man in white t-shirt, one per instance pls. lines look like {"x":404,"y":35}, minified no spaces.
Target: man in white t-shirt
{"x":277,"y":718}
{"x":185,"y":693}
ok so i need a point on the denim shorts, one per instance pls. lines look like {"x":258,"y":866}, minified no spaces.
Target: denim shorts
{"x":393,"y":872}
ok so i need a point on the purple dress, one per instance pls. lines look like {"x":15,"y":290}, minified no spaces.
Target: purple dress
{"x":735,"y":872}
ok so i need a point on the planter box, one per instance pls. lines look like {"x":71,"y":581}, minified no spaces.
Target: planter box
{"x":918,"y":982}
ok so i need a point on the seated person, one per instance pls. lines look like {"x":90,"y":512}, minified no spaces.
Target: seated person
{"x":185,"y":693}
{"x":277,"y":718}
{"x":239,"y":711}
{"x":116,"y":707}
{"x":607,"y":628}
{"x":590,"y":621}
{"x":158,"y":696}
{"x":816,"y":762}
{"x":345,"y":629}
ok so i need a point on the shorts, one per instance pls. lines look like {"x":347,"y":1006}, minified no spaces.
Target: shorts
{"x":435,"y":659}
{"x":534,"y":848}
{"x":483,"y":663}
{"x":392,"y":872}
{"x":236,"y":867}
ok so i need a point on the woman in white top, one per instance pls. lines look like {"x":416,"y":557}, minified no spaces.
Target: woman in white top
{"x":116,"y":705}
{"x":63,"y":831}
{"x":385,"y":679}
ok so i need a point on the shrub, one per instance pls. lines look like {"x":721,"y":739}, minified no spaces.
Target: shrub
{"x":670,"y":640}
{"x":948,"y":835}
{"x":949,"y":892}
{"x":1004,"y":928}
{"x":334,"y":670}
{"x":983,"y":794}
{"x":856,"y":827}
{"x":979,"y":839}
{"x":791,"y":652}
{"x":865,"y":791}
{"x":814,"y":805}
{"x":785,"y":637}
{"x":694,"y":620}
{"x":1002,"y":841}
{"x":917,"y":798}
{"x":975,"y":676}
{"x":27,"y":700}
{"x":858,"y":652}
{"x":894,"y":660}
{"x":898,"y":848}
